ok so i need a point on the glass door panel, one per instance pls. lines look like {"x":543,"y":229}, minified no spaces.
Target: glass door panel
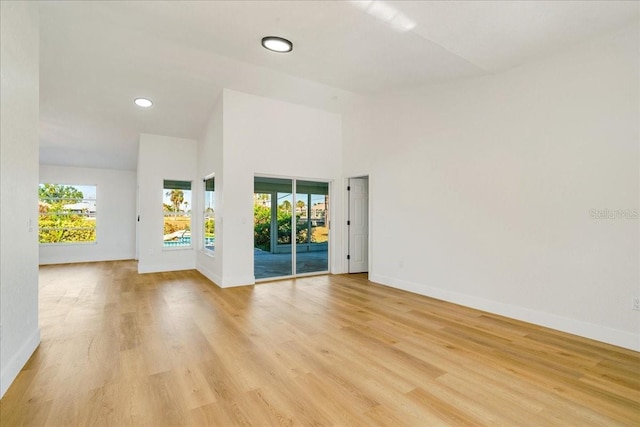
{"x":312,"y":227}
{"x":272,"y":211}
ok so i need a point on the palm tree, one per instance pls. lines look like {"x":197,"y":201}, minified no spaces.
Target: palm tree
{"x":285,"y":206}
{"x":301,"y":207}
{"x":176,"y":197}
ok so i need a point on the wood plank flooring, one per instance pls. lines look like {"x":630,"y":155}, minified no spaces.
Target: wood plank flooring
{"x":119,"y":348}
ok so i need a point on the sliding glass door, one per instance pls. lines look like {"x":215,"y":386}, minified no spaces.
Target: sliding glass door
{"x":278,"y":210}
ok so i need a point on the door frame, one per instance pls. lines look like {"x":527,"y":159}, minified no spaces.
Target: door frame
{"x":294,"y":180}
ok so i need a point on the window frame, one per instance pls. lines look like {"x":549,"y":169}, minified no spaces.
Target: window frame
{"x":177,"y":184}
{"x":206,"y":215}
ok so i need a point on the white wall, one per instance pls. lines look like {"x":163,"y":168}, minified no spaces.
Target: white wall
{"x":19,"y":123}
{"x":160,"y":158}
{"x":269,"y":137}
{"x":482,"y":190}
{"x":115,"y":219}
{"x":210,"y":162}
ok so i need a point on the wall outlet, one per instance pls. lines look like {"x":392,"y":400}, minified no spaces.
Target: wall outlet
{"x":636,"y":303}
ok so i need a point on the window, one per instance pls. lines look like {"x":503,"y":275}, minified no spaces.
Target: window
{"x":67,"y":213}
{"x":209,"y":226}
{"x":176,"y":207}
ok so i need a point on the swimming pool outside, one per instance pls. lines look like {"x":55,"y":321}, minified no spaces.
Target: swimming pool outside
{"x":209,"y":242}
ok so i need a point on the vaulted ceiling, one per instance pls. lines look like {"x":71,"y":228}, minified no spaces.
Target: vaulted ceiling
{"x":97,"y":56}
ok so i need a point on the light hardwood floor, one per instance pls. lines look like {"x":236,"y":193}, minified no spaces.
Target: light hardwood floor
{"x":119,"y":348}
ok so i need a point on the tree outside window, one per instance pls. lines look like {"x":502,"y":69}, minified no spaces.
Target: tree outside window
{"x":66,"y":213}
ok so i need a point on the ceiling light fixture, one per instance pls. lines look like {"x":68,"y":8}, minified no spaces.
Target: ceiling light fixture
{"x":143,"y":102}
{"x":277,"y":44}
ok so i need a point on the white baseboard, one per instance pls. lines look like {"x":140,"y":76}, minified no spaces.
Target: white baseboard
{"x":226,"y":282}
{"x":216,"y":279}
{"x":577,"y":327}
{"x":82,"y":258}
{"x":232,"y":282}
{"x":11,"y":368}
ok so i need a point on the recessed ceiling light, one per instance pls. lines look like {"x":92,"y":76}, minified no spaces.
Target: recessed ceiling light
{"x":143,"y":102}
{"x":277,"y":44}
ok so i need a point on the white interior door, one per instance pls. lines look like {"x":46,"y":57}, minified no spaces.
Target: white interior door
{"x":358,"y":224}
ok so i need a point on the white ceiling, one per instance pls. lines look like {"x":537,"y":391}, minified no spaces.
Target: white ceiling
{"x":96,"y":57}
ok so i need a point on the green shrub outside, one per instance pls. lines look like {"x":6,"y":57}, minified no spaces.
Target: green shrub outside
{"x":209,"y":228}
{"x":262,"y":228}
{"x":61,"y":232}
